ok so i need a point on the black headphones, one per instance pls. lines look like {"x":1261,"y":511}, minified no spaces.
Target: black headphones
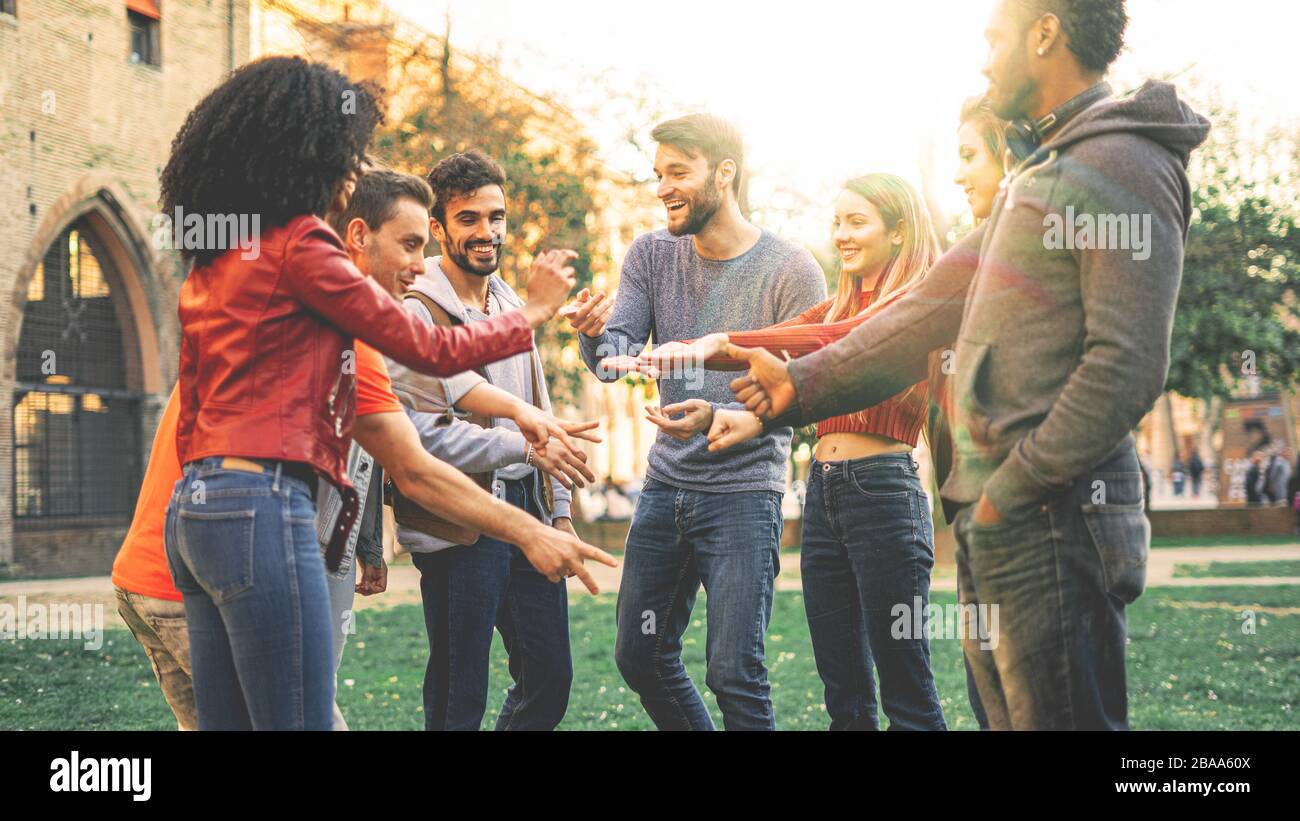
{"x":1023,"y":137}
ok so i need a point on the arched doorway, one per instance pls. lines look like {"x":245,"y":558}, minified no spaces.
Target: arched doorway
{"x":77,"y":394}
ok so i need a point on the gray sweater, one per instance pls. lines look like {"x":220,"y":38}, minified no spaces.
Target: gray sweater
{"x":1061,"y":346}
{"x":500,"y":449}
{"x":668,"y":292}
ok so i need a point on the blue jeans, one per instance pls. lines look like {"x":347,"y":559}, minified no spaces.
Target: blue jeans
{"x":1061,"y":575}
{"x":242,"y":550}
{"x":868,"y":548}
{"x":679,"y":540}
{"x":972,"y":690}
{"x":468,"y":590}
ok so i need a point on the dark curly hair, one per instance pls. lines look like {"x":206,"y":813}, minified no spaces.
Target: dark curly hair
{"x":462,"y":174}
{"x":275,"y":139}
{"x":1093,"y":28}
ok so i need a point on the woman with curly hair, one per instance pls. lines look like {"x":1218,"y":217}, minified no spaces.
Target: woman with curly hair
{"x":267,"y":380}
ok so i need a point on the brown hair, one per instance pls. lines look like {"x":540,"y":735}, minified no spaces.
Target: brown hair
{"x":375,"y":200}
{"x":705,"y":134}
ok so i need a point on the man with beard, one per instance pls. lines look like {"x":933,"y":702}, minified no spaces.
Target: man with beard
{"x":471,"y":583}
{"x":701,"y":519}
{"x":1060,"y":351}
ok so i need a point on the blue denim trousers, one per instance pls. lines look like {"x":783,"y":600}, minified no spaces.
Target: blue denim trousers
{"x":868,"y":548}
{"x":242,"y":550}
{"x":1060,"y":574}
{"x":680,"y":540}
{"x":469,"y":590}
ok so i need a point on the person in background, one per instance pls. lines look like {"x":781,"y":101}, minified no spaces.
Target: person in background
{"x":1178,"y":475}
{"x":1256,"y":479}
{"x":1279,"y":476}
{"x":1196,"y":470}
{"x":1293,"y":494}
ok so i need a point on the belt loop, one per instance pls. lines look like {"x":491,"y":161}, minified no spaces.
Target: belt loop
{"x":275,"y":485}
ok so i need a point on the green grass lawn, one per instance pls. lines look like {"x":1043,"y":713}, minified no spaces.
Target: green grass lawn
{"x":1220,"y":569}
{"x":1191,"y":666}
{"x":1223,"y":541}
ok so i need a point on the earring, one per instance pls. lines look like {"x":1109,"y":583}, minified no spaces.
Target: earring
{"x":1041,"y":51}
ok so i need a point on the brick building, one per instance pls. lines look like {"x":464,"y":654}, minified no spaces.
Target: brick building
{"x":91,"y":94}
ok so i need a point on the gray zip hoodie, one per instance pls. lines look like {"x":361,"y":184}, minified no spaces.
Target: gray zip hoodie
{"x":1062,"y":343}
{"x":500,"y":449}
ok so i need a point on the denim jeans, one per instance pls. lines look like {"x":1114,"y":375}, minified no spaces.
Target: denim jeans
{"x":679,"y":540}
{"x":468,"y":590}
{"x":868,"y":548}
{"x":242,"y":550}
{"x":1061,"y":575}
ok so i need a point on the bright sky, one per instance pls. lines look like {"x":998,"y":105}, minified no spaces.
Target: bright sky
{"x":825,"y":89}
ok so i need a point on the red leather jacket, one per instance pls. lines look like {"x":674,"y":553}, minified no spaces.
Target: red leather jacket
{"x":266,"y":366}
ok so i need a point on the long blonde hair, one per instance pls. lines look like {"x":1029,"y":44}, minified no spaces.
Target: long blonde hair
{"x":897,"y":203}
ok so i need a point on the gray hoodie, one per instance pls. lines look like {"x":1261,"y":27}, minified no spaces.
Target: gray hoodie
{"x":1061,"y":345}
{"x":500,"y":449}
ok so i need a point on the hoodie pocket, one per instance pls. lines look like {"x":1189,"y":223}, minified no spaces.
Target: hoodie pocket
{"x":1121,"y":534}
{"x":972,"y":419}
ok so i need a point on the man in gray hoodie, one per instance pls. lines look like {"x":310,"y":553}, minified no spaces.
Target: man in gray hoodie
{"x":1060,"y":309}
{"x":471,"y":583}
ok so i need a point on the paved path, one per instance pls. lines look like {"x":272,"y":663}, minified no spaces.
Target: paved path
{"x":404,"y":579}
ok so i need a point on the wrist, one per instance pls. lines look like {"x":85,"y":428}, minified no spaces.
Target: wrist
{"x":520,"y":411}
{"x":523,"y":528}
{"x":536,"y":314}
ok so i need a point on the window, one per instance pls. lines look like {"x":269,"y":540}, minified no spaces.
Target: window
{"x":9,"y":7}
{"x":76,"y":425}
{"x":143,"y":17}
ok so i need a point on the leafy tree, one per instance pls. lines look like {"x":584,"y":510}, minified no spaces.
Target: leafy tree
{"x":550,"y":174}
{"x":1237,"y":307}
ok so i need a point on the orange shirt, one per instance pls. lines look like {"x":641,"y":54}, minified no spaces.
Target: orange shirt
{"x":141,"y":564}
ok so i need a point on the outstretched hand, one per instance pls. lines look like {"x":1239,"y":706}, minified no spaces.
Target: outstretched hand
{"x":670,"y":358}
{"x":731,"y":427}
{"x":767,"y":389}
{"x":697,"y":415}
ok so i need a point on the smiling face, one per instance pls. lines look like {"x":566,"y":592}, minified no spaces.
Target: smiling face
{"x":394,"y":254}
{"x":863,"y":240}
{"x":1013,"y":91}
{"x":474,"y":230}
{"x":691,"y":194}
{"x":978,"y":171}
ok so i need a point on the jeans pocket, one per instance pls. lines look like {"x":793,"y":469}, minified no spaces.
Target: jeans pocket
{"x":217,"y":546}
{"x":1122,"y":536}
